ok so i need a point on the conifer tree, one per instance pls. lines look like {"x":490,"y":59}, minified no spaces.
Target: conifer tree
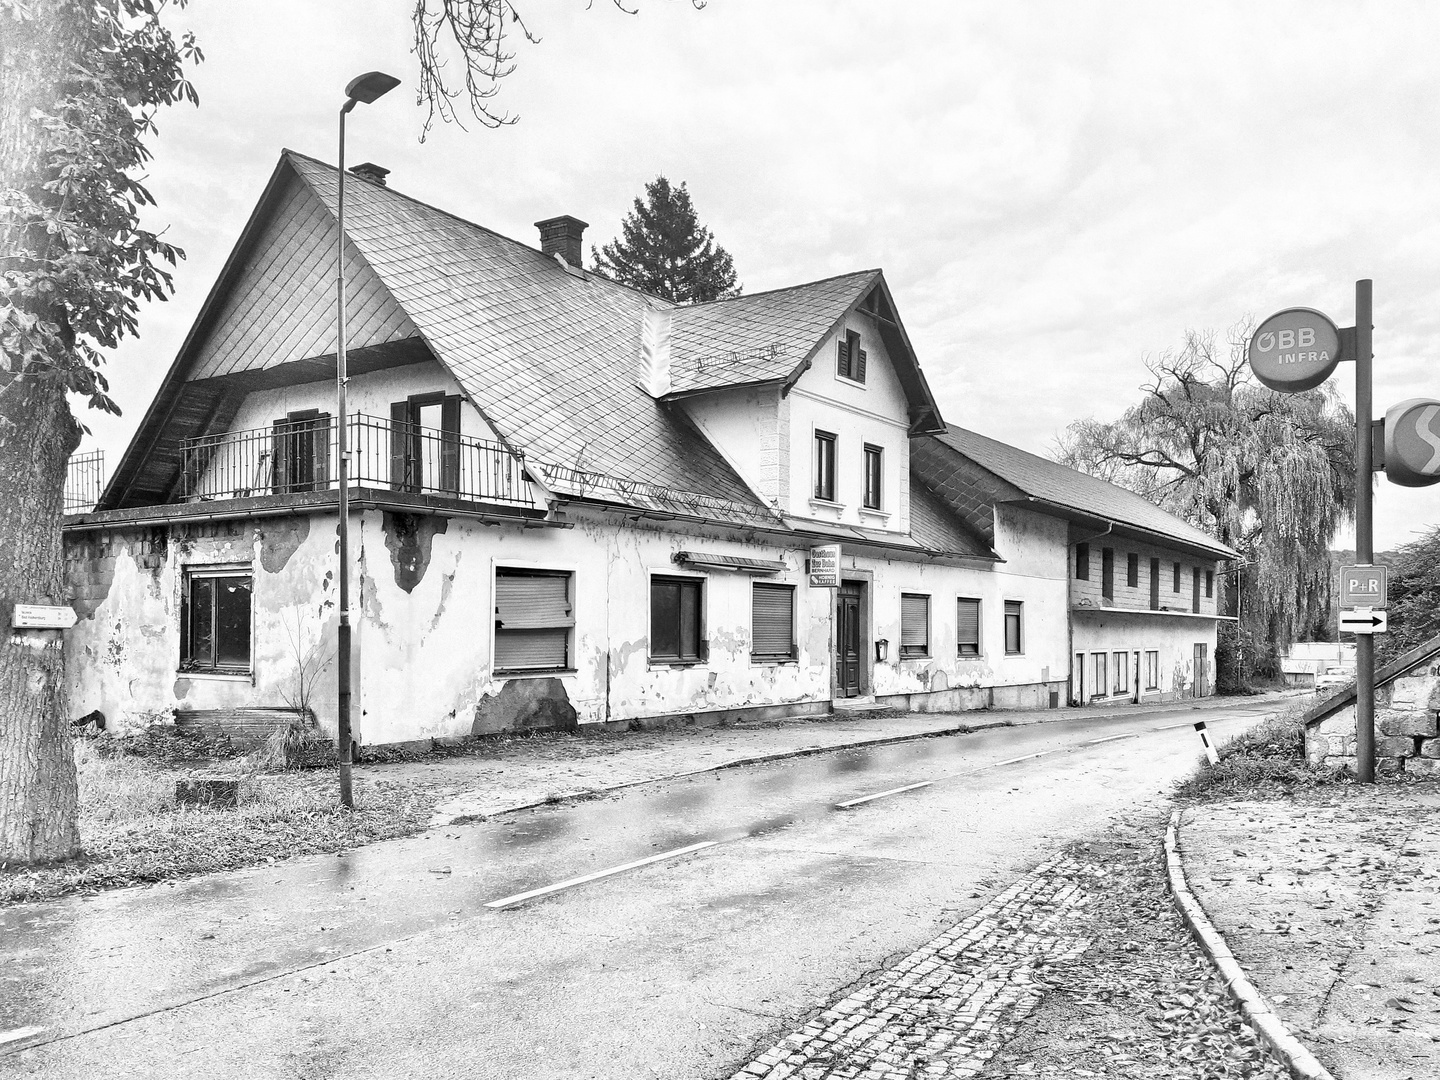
{"x":665,"y":251}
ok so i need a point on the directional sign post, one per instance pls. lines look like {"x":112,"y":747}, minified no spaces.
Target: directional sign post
{"x":42,"y":617}
{"x":1363,"y":621}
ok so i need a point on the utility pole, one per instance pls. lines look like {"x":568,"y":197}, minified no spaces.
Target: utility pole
{"x":1364,"y":532}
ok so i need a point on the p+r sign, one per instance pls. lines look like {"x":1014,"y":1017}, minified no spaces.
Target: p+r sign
{"x":1363,"y":586}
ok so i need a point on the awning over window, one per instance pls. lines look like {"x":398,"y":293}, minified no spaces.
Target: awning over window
{"x":731,"y":562}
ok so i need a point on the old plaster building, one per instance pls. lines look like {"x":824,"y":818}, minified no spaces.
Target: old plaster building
{"x":575,"y":504}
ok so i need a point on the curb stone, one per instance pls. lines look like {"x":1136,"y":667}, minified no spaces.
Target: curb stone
{"x":1288,"y":1050}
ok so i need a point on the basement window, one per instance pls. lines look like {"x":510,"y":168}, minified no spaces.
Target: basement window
{"x":215,"y":622}
{"x":534,"y":618}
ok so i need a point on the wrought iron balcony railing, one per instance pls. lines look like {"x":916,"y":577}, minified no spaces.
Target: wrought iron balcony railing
{"x":299,"y":456}
{"x":84,"y":479}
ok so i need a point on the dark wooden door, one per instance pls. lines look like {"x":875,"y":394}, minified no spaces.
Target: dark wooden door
{"x":847,"y":644}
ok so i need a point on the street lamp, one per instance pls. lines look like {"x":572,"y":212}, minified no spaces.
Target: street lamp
{"x":365,"y":89}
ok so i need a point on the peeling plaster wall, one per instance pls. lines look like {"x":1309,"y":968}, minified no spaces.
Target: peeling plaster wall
{"x":1033,"y":574}
{"x":1174,"y":637}
{"x":123,"y":657}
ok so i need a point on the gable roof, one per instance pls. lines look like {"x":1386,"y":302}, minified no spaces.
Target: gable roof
{"x":1008,"y":474}
{"x":774,"y":337}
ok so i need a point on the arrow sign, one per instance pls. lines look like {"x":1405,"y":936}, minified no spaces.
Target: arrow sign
{"x":43,"y":617}
{"x":1363,"y":622}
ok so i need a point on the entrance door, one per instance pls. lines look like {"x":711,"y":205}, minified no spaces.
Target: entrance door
{"x":1136,"y":670}
{"x":848,"y":642}
{"x":1201,"y":682}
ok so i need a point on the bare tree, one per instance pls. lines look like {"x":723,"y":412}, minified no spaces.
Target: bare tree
{"x":1269,"y":474}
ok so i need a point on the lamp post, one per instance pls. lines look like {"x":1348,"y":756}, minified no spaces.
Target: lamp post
{"x":366,"y":88}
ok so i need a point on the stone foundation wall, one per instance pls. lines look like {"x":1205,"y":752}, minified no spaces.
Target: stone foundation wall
{"x":1407,"y":729}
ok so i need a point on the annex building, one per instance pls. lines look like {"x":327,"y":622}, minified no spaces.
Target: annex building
{"x":575,"y":504}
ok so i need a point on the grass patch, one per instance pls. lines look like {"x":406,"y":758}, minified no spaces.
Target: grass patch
{"x":1265,"y":762}
{"x":133,"y":833}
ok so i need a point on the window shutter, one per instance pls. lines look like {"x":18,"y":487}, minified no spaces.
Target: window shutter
{"x":1155,"y":584}
{"x":450,"y":443}
{"x":1132,"y":570}
{"x":280,"y":456}
{"x":1082,"y":562}
{"x":320,"y":451}
{"x":859,"y":366}
{"x":533,"y":617}
{"x":914,"y":625}
{"x":772,"y":621}
{"x":967,"y":627}
{"x":842,"y":358}
{"x":399,"y":444}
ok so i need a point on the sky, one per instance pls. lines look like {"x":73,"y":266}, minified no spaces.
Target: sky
{"x":1056,"y":192}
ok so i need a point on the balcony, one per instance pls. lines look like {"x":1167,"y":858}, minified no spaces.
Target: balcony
{"x":299,"y":456}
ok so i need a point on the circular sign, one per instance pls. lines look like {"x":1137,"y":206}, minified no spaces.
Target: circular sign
{"x":1412,"y":443}
{"x":1295,"y":349}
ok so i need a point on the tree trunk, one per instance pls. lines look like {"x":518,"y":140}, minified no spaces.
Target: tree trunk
{"x":37,"y":436}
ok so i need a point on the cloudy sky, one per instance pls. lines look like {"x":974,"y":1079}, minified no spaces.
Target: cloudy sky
{"x":1055,"y":191}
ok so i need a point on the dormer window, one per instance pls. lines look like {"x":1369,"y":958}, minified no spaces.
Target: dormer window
{"x":851,"y":361}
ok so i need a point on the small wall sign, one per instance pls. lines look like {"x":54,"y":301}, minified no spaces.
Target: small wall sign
{"x":1294,"y":350}
{"x":825,"y":567}
{"x":43,"y":617}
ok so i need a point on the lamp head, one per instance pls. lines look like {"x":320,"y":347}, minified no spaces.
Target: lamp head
{"x":366,"y":88}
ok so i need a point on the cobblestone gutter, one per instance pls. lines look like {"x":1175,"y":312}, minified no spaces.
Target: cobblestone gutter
{"x":946,"y":1008}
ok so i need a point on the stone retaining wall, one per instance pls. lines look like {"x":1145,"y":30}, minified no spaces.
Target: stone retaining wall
{"x":1407,"y":738}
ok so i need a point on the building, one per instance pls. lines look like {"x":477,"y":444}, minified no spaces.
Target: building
{"x":574,"y":504}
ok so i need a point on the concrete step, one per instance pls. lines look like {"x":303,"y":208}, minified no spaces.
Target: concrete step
{"x":858,"y":706}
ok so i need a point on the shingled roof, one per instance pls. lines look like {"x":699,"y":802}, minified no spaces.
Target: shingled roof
{"x":988,"y":471}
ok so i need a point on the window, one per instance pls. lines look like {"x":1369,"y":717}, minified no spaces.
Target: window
{"x":675,"y":620}
{"x":914,"y":625}
{"x":425,"y":443}
{"x":1155,"y":584}
{"x":1013,"y":638}
{"x":1082,"y":562}
{"x":873,"y":459}
{"x":1152,"y":670}
{"x":1195,"y":590}
{"x":1101,"y":678}
{"x":772,"y":621}
{"x":534,"y":614}
{"x":215,"y":622}
{"x":1177,"y":577}
{"x":850,"y":362}
{"x":1107,"y":573}
{"x":825,"y":466}
{"x":300,"y":449}
{"x":967,"y":627}
{"x":1122,"y":673}
{"x":1209,"y":583}
{"x":1132,"y":571}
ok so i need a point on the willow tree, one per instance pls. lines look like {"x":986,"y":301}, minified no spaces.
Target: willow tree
{"x":81,"y":82}
{"x":1271,"y":475}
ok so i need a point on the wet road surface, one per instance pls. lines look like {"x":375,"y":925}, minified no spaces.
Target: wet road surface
{"x":349,"y":966}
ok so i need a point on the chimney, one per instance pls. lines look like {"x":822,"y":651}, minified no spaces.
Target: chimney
{"x":371,"y":172}
{"x":654,"y":374}
{"x":561,"y":236}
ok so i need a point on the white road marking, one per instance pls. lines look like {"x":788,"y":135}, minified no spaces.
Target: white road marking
{"x":520,"y":898}
{"x":16,"y":1034}
{"x":1110,"y":738}
{"x":881,"y":794}
{"x":1022,"y":757}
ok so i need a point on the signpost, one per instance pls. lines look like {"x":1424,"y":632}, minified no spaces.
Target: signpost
{"x":825,"y":566}
{"x":1363,"y":586}
{"x":43,"y":617}
{"x":1363,"y":621}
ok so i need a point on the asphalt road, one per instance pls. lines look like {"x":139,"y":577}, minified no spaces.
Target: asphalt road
{"x":388,"y":962}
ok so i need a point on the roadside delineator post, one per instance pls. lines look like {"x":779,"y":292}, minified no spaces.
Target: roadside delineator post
{"x":1205,"y":741}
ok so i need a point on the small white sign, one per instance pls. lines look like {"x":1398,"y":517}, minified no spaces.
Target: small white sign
{"x":1364,"y":621}
{"x":43,"y":617}
{"x":825,"y":566}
